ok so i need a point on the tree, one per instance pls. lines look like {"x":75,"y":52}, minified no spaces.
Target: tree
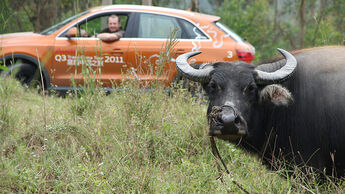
{"x":37,"y":15}
{"x":146,"y":2}
{"x":107,"y":2}
{"x":302,"y":22}
{"x":195,"y":5}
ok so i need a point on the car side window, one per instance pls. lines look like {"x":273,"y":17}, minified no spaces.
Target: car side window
{"x":98,"y":24}
{"x":191,"y":31}
{"x":95,"y":25}
{"x":157,"y":26}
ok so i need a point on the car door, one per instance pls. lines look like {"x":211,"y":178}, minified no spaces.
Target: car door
{"x":149,"y":40}
{"x":88,"y":58}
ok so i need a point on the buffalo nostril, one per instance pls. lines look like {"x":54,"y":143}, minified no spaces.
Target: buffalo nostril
{"x":237,"y":120}
{"x":227,"y":118}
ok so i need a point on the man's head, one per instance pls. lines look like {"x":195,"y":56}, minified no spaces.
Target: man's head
{"x":114,"y":23}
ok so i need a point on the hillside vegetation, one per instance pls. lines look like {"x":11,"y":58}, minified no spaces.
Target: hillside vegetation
{"x":128,"y":141}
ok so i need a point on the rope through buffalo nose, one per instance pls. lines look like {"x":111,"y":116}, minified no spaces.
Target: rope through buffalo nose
{"x":217,"y":109}
{"x":216,"y":154}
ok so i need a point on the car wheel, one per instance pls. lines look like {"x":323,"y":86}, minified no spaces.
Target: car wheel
{"x":26,"y":73}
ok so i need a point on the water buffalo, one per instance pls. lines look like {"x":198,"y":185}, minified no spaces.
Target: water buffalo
{"x":292,"y":108}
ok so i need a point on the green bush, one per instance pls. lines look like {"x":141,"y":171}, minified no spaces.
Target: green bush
{"x":268,"y":26}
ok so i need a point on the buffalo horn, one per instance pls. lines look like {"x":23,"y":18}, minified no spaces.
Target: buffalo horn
{"x":198,"y":75}
{"x":279,"y":75}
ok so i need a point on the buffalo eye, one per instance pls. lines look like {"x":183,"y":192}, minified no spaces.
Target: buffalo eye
{"x":250,"y":88}
{"x":213,"y":86}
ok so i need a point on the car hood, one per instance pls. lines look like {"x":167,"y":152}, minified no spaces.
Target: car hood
{"x":19,"y":38}
{"x":18,"y":34}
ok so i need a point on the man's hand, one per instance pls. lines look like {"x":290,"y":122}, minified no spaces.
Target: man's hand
{"x":83,"y":33}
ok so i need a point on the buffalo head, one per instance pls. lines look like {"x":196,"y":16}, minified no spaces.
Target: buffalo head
{"x":236,"y":90}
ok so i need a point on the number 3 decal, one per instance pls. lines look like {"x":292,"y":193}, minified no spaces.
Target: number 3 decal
{"x":229,"y":54}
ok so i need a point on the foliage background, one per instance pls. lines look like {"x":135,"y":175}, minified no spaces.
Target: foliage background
{"x":267,"y":24}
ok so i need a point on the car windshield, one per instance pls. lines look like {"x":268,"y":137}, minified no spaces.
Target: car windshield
{"x":229,"y":32}
{"x":56,"y":27}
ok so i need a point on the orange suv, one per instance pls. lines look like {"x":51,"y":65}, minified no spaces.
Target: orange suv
{"x":147,"y":28}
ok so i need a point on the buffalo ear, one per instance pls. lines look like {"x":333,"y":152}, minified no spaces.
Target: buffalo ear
{"x":275,"y":94}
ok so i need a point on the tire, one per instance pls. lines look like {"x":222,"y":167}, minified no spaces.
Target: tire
{"x":26,"y":73}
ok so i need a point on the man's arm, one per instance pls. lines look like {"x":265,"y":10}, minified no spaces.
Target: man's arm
{"x":110,"y":37}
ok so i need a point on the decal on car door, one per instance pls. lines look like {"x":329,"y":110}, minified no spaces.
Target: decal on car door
{"x":93,"y":61}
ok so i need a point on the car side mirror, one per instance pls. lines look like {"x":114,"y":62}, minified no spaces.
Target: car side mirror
{"x":72,"y":32}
